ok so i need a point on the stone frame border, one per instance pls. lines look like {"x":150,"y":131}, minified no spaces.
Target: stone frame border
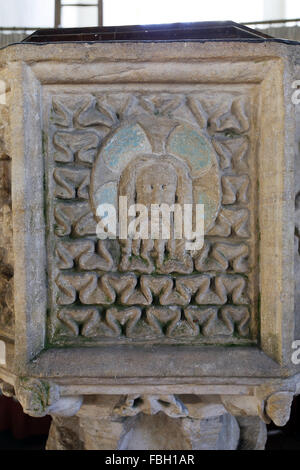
{"x":276,"y":209}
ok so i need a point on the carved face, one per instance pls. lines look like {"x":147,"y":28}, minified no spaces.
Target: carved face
{"x":156,"y":184}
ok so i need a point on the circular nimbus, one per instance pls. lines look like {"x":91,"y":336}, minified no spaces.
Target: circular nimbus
{"x":163,"y":142}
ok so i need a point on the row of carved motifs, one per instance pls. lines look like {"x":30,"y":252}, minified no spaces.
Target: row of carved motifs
{"x":74,"y":153}
{"x":6,"y":251}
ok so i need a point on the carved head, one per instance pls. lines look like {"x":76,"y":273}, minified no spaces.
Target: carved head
{"x":156,"y":183}
{"x":156,"y":179}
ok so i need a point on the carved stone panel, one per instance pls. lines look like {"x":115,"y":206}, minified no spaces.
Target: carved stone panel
{"x":170,"y":124}
{"x":152,"y":146}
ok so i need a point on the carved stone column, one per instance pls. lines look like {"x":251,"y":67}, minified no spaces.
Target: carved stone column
{"x":121,"y":339}
{"x":146,"y":422}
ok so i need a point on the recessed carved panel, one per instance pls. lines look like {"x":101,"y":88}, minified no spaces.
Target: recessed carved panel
{"x":196,"y":147}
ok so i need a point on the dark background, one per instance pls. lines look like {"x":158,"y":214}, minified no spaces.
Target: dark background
{"x":19,"y":431}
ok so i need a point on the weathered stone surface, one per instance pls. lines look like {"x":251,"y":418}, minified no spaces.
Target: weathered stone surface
{"x":151,"y":405}
{"x":97,"y":427}
{"x":297,"y":224}
{"x":63,"y":434}
{"x":158,"y":432}
{"x":279,"y":407}
{"x":198,"y":143}
{"x":6,"y":242}
{"x":39,"y":398}
{"x":189,"y":341}
{"x":7,"y":389}
{"x":161,"y":432}
{"x":159,"y":148}
{"x":253,"y":433}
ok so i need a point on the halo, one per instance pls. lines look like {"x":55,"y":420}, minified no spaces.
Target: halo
{"x":184,"y":142}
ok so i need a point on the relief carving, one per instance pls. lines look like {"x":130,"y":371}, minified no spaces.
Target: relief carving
{"x":40,"y":398}
{"x":130,"y":290}
{"x":71,"y":183}
{"x":74,"y":219}
{"x":235,"y":189}
{"x":80,"y":321}
{"x":230,"y":114}
{"x":159,"y":148}
{"x":132,"y":405}
{"x":84,"y":254}
{"x":75,"y":146}
{"x":159,"y":180}
{"x":232,"y":222}
{"x":222,"y":257}
{"x":232,"y":153}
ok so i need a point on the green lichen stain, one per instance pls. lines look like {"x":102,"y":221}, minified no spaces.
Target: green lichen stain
{"x":128,"y":140}
{"x":192,"y":146}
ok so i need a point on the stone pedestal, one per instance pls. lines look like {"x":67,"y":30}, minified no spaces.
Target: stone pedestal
{"x":165,"y":423}
{"x":146,"y":344}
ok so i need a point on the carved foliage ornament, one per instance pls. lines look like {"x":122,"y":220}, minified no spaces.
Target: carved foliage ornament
{"x":40,"y":397}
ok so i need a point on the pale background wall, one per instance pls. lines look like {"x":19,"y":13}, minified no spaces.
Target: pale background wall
{"x":40,"y":13}
{"x":36,"y":13}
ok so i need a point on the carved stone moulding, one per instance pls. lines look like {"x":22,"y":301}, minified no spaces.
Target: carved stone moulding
{"x":206,"y":123}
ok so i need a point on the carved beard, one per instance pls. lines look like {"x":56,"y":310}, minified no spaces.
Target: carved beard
{"x":159,"y":249}
{"x":152,"y":180}
{"x":156,"y":184}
